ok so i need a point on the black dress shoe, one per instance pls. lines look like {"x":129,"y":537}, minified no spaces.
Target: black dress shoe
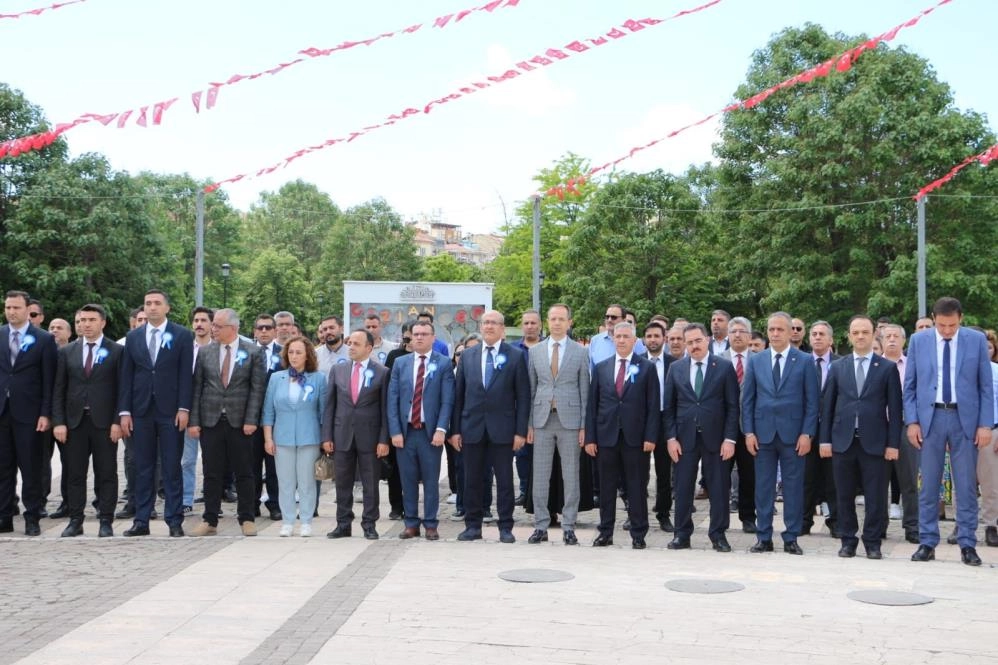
{"x":395,"y":515}
{"x":136,"y":530}
{"x":847,"y":551}
{"x":125,"y":513}
{"x":538,"y":536}
{"x":665,"y":524}
{"x":342,"y":531}
{"x":506,"y":536}
{"x":762,"y":546}
{"x":603,"y":541}
{"x":276,"y":515}
{"x":791,"y":547}
{"x":568,"y":537}
{"x":969,"y":556}
{"x":911,"y":537}
{"x":924,"y":553}
{"x":6,"y":525}
{"x":721,"y":544}
{"x":991,"y":536}
{"x":228,"y":496}
{"x":32,"y":529}
{"x":176,"y":531}
{"x":59,"y":513}
{"x":73,"y":529}
{"x":638,"y":543}
{"x":874,"y":553}
{"x":679,"y":543}
{"x":470,"y":534}
{"x":627,"y":525}
{"x":44,"y":513}
{"x":749,"y":527}
{"x":370,"y":533}
{"x":951,"y":539}
{"x":105,"y":529}
{"x":520,"y":499}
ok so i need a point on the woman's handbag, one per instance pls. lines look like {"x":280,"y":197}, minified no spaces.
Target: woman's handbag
{"x":324,"y":468}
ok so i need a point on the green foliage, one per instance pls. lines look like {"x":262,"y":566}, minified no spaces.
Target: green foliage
{"x":275,"y":281}
{"x":446,"y":268}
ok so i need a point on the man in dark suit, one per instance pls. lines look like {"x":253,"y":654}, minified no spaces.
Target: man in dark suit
{"x":655,"y":333}
{"x":355,"y":427}
{"x":623,"y":420}
{"x":28,"y":359}
{"x":740,"y":334}
{"x":860,"y":431}
{"x":264,"y":469}
{"x":420,"y":403}
{"x":229,"y":385}
{"x":154,"y":402}
{"x":779,"y":417}
{"x":491,"y":413}
{"x":85,"y":420}
{"x":701,"y":422}
{"x":819,"y":481}
{"x":948,"y":402}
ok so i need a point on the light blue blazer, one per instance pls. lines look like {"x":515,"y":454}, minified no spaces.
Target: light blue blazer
{"x":295,"y":423}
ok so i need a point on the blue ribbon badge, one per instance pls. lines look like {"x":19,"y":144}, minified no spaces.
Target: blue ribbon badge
{"x":382,"y":356}
{"x":500,"y":361}
{"x":167,"y":341}
{"x":26,"y":342}
{"x":241,"y":357}
{"x":632,"y":373}
{"x":102,"y":353}
{"x":368,"y":377}
{"x":430,"y":369}
{"x":307,"y":391}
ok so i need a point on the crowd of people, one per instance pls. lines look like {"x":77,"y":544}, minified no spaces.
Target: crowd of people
{"x":756,"y":418}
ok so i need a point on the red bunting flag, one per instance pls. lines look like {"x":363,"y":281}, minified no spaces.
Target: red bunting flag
{"x":985,"y":158}
{"x":842,"y":62}
{"x":550,"y":56}
{"x":39,"y":10}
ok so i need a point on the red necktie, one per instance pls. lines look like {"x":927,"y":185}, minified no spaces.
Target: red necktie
{"x":739,"y":369}
{"x":89,"y":365}
{"x":355,"y":382}
{"x":620,"y":377}
{"x":417,"y":394}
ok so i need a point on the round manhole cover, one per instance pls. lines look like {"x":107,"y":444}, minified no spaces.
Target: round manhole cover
{"x":703,"y":586}
{"x":536,"y":575}
{"x":886,"y":597}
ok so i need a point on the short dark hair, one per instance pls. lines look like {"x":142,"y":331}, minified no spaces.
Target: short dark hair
{"x":655,"y":323}
{"x":424,"y":324}
{"x":134,"y":314}
{"x":407,"y":326}
{"x":93,"y":307}
{"x":367,"y":335}
{"x":625,"y":312}
{"x":373,"y":315}
{"x":311,"y":361}
{"x":160,"y":292}
{"x":425,"y":315}
{"x":36,"y":301}
{"x":263,"y":317}
{"x":203,"y":310}
{"x":561,"y":304}
{"x":20,"y":294}
{"x":858,"y":317}
{"x":722,"y":312}
{"x":946,"y":306}
{"x":696,"y":326}
{"x":333,"y":317}
{"x":883,"y":319}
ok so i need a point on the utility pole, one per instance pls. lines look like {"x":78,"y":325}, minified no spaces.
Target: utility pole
{"x":199,"y":251}
{"x":921,"y":256}
{"x":536,"y":283}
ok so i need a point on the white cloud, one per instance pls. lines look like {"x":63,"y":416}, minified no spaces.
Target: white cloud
{"x":533,"y":93}
{"x":673,"y":155}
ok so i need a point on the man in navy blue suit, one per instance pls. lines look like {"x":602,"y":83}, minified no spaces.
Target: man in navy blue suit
{"x":700,"y":419}
{"x":948,"y":401}
{"x":154,"y":402}
{"x":28,"y":359}
{"x":780,"y":398}
{"x":860,"y":432}
{"x":420,"y":402}
{"x":623,"y":420}
{"x":491,"y":410}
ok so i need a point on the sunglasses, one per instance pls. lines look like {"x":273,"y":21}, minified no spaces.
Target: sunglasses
{"x":34,"y":315}
{"x":797,"y":328}
{"x":612,"y":317}
{"x":264,"y":326}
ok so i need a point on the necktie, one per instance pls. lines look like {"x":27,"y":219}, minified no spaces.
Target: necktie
{"x":661,"y":383}
{"x":417,"y":393}
{"x":355,"y":382}
{"x":947,"y":382}
{"x":860,"y":375}
{"x":490,"y":365}
{"x":620,"y":377}
{"x":153,"y":346}
{"x":554,"y":360}
{"x":776,"y":371}
{"x":15,"y":346}
{"x":88,"y":366}
{"x":821,"y":375}
{"x":226,"y":361}
{"x":698,"y":380}
{"x":739,"y":368}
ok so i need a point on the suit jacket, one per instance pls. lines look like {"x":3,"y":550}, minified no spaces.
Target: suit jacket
{"x":365,"y":422}
{"x":74,"y":390}
{"x":242,"y":399}
{"x":973,"y":388}
{"x":501,"y":410}
{"x":787,"y":410}
{"x":714,"y":414}
{"x":275,"y":359}
{"x":26,"y":386}
{"x":878,"y":406}
{"x":295,"y":422}
{"x":167,"y":386}
{"x":570,"y":390}
{"x":636,"y":414}
{"x":438,"y":393}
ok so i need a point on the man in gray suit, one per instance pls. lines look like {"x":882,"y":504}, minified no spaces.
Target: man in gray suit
{"x":559,"y":387}
{"x":229,"y":386}
{"x":355,"y":427}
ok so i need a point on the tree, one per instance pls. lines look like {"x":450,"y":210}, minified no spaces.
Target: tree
{"x":802,"y":164}
{"x":274,"y":281}
{"x":446,"y":268}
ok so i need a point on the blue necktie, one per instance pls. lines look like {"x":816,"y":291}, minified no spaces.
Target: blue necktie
{"x":947,"y":384}
{"x":490,"y":366}
{"x":776,"y":370}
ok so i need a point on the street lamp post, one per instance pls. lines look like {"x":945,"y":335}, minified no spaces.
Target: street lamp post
{"x":226,"y":271}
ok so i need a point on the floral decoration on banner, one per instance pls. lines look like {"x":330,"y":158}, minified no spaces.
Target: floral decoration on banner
{"x":840,"y":63}
{"x":549,"y":57}
{"x":208,"y":97}
{"x":39,"y":10}
{"x":985,"y":158}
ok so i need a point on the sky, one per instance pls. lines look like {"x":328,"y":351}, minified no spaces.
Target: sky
{"x":470,"y":161}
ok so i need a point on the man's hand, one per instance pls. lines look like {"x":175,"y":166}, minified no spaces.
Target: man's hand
{"x":518,"y":441}
{"x":194,"y":432}
{"x":582,"y":438}
{"x":825,"y":450}
{"x":752,"y":444}
{"x":727,"y":450}
{"x":915,"y":435}
{"x":398,"y":441}
{"x":591,"y":449}
{"x":328,"y":447}
{"x":648,"y":447}
{"x":891,"y":454}
{"x":530,"y":435}
{"x":983,"y":437}
{"x":382,"y":450}
{"x":455,"y":441}
{"x":60,"y":432}
{"x":438,"y":439}
{"x":126,"y":426}
{"x":44,"y":424}
{"x":181,"y":421}
{"x":675,"y":450}
{"x":803,"y":445}
{"x":115,"y":433}
{"x":249,"y":429}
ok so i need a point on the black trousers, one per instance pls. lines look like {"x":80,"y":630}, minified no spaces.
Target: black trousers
{"x":478,"y":457}
{"x":855,"y":467}
{"x":86,"y":441}
{"x":663,"y":481}
{"x":19,"y":450}
{"x":349,"y":465}
{"x":226,"y":447}
{"x":264,"y":463}
{"x":819,"y":485}
{"x":395,"y":482}
{"x":745,"y":462}
{"x":717,"y":480}
{"x":631,"y":462}
{"x":49,"y":445}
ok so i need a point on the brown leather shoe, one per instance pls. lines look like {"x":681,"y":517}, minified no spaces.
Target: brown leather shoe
{"x":409,"y":532}
{"x":432,"y":534}
{"x":204,"y":529}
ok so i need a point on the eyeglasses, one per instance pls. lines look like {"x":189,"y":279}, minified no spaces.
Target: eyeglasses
{"x":34,"y":315}
{"x":797,"y":328}
{"x":220,"y":325}
{"x":612,"y":317}
{"x":737,"y":332}
{"x":265,"y":326}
